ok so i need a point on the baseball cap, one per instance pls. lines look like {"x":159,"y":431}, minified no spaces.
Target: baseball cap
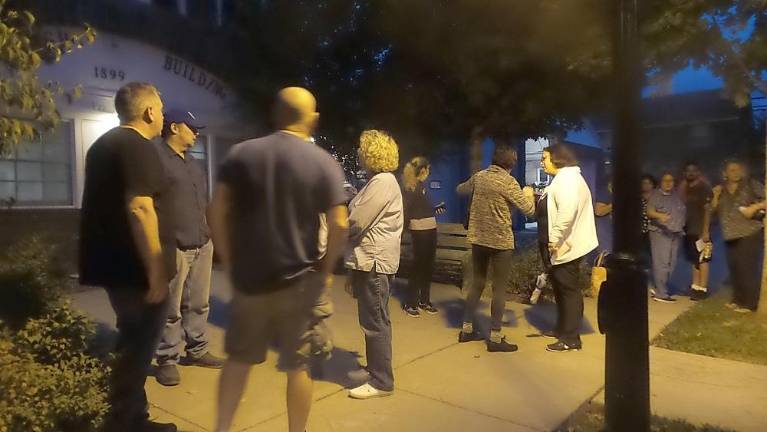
{"x":181,"y":116}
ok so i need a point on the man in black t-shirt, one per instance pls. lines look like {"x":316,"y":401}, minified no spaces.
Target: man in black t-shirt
{"x":696,"y":193}
{"x":265,"y":226}
{"x":127,"y":246}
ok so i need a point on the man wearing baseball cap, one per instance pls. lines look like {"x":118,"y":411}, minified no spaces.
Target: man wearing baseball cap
{"x":190,"y":290}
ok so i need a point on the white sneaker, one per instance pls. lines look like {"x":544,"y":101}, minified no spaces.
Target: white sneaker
{"x":367,"y":391}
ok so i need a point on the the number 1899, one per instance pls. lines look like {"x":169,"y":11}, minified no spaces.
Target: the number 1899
{"x":108,"y":74}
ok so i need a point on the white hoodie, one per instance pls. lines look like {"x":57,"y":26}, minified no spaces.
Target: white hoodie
{"x":571,"y":216}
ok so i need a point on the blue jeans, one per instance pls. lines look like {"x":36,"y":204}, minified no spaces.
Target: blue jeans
{"x":372,"y":292}
{"x":188,"y":306}
{"x":664,"y":252}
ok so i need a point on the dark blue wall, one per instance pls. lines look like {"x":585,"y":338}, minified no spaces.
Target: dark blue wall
{"x":450,"y":170}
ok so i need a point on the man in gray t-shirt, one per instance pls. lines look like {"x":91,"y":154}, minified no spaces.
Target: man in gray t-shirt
{"x":265,"y":228}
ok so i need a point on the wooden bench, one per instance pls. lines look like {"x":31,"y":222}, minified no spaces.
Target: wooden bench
{"x":452,"y":247}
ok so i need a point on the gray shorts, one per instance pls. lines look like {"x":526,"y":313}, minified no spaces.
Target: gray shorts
{"x":282,"y":318}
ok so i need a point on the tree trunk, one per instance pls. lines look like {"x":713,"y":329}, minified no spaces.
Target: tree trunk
{"x":763,"y":296}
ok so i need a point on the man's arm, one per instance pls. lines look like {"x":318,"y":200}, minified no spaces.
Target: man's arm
{"x":338,"y":231}
{"x":218,"y":218}
{"x":145,"y":230}
{"x":466,"y":188}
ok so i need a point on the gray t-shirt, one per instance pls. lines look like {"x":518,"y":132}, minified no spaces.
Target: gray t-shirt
{"x":280,"y":183}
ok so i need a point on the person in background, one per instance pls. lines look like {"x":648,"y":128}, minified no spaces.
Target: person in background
{"x":571,"y":236}
{"x":264,"y":218}
{"x":739,"y":204}
{"x":666,"y":211}
{"x":127,"y":246}
{"x":696,"y":194}
{"x":603,"y":210}
{"x":375,"y":232}
{"x":648,"y":185}
{"x":421,"y":221}
{"x":494,"y":193}
{"x":190,"y":288}
{"x":542,"y":219}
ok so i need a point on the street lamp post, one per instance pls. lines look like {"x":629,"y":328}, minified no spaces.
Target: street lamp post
{"x":623,"y":301}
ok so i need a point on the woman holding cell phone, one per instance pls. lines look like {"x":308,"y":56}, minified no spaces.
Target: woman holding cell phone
{"x":420,"y":219}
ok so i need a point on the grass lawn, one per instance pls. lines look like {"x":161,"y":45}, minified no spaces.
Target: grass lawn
{"x":592,"y":417}
{"x":711,"y":329}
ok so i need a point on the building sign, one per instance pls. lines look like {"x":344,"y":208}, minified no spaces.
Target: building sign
{"x":184,"y":69}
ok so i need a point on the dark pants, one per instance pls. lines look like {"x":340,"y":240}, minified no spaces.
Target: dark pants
{"x":424,"y":253}
{"x":139,"y":327}
{"x":567,"y":291}
{"x":481,"y":257}
{"x":372,"y":292}
{"x":744,"y":257}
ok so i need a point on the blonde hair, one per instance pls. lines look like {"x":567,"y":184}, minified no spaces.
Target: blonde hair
{"x":412,"y":170}
{"x":132,"y":100}
{"x":378,"y":152}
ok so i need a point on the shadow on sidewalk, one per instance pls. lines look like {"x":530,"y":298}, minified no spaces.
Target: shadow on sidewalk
{"x":543,"y":316}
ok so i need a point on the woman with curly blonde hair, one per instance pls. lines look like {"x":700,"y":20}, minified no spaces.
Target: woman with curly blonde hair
{"x":420,"y":219}
{"x":375,"y":231}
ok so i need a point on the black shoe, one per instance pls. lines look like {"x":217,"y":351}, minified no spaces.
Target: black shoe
{"x":502,"y":346}
{"x":150,"y":426}
{"x":168,"y":375}
{"x":562,"y":346}
{"x":697,"y":295}
{"x":551,"y":334}
{"x":428,"y":308}
{"x":667,"y":299}
{"x":412,"y":311}
{"x":207,"y":360}
{"x":469,"y":337}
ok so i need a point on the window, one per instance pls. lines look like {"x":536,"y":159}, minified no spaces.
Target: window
{"x":39,"y":173}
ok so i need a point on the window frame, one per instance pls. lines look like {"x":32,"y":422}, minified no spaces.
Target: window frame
{"x":70,"y":124}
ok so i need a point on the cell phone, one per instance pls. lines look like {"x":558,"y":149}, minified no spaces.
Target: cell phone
{"x":440,"y":206}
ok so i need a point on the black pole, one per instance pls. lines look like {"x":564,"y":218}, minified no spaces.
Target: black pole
{"x":623,"y":302}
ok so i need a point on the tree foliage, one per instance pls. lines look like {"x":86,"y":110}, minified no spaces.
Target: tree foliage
{"x":27,"y":106}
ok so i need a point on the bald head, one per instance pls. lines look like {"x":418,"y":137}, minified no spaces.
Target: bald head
{"x":296,"y":111}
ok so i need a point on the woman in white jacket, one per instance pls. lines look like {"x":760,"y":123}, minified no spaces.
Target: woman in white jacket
{"x":571,"y":236}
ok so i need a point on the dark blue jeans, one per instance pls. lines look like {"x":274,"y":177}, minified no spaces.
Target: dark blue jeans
{"x":139,"y":326}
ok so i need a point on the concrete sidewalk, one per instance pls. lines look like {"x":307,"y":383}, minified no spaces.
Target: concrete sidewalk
{"x":444,"y":386}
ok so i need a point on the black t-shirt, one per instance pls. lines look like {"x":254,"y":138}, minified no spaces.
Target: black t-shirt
{"x":696,"y":199}
{"x":280,"y":184}
{"x":121,"y":163}
{"x":416,"y":203}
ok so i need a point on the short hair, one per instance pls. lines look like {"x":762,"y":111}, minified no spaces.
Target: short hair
{"x":131,"y":100}
{"x":378,"y":151}
{"x":690,"y":163}
{"x":504,"y":156}
{"x":733,"y":161}
{"x":651,"y":179}
{"x":561,"y":155}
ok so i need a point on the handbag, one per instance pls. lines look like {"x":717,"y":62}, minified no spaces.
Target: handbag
{"x":598,"y":274}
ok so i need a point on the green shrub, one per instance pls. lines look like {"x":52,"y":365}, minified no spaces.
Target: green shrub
{"x":49,"y":381}
{"x":27,"y":285}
